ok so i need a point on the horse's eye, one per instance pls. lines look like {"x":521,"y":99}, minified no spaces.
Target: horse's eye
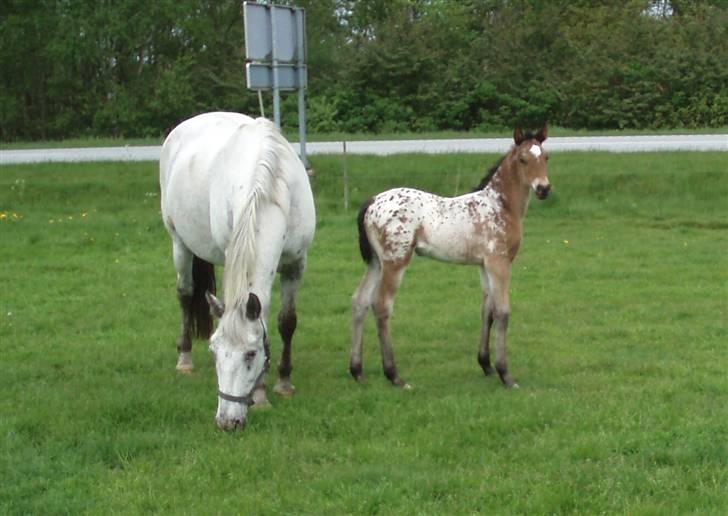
{"x":250,"y":355}
{"x":522,"y":160}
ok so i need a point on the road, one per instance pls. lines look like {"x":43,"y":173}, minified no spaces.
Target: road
{"x":707,"y":142}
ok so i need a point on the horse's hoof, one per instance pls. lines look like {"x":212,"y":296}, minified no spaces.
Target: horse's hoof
{"x":184,"y":363}
{"x":285,"y":389}
{"x":260,"y":400}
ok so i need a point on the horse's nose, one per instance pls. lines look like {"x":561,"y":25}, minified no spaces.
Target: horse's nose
{"x":230,"y":424}
{"x":542,"y":191}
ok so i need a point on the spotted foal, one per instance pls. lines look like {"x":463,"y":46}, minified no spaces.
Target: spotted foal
{"x":483,"y":228}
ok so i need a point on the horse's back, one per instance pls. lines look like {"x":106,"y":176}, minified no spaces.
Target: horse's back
{"x":208,"y":169}
{"x":192,"y":168}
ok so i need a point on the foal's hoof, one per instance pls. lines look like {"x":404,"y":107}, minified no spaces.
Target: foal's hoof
{"x":284,"y":388}
{"x":184,"y":363}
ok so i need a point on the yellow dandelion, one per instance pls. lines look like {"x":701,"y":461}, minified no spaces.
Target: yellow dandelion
{"x":566,"y":242}
{"x":51,"y":221}
{"x":3,"y":215}
{"x":84,"y":215}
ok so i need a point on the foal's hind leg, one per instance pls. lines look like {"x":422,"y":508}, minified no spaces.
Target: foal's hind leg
{"x":382,"y":308}
{"x":486,"y":316}
{"x":360,"y":303}
{"x":185,"y":289}
{"x":290,"y":280}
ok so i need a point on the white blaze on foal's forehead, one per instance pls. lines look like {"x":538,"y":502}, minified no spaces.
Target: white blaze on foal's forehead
{"x":535,"y":150}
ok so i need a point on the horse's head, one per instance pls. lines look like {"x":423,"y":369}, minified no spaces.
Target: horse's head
{"x":239,"y":346}
{"x":532,"y":160}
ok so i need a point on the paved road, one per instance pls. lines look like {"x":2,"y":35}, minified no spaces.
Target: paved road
{"x":708,"y":142}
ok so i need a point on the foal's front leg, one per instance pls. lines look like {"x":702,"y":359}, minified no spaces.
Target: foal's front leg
{"x":486,"y":316}
{"x":291,"y":275}
{"x":499,"y":278}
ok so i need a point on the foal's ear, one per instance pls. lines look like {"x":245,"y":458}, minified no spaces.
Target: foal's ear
{"x":543,"y":133}
{"x":217,"y":308}
{"x":518,"y":135}
{"x":252,"y":308}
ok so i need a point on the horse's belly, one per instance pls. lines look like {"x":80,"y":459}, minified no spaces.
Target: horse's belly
{"x":450,"y":253}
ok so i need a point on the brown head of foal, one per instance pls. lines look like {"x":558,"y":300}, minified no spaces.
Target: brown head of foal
{"x":483,"y":227}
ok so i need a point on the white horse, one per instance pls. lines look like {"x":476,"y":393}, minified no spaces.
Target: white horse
{"x":234,"y":192}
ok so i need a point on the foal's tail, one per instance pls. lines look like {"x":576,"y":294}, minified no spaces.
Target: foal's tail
{"x":365,"y":247}
{"x":203,"y":278}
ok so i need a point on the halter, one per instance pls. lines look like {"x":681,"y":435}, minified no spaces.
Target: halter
{"x":248,"y":398}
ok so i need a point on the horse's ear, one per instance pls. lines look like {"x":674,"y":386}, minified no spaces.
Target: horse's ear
{"x":217,"y":308}
{"x":518,"y":135}
{"x":252,"y":307}
{"x":543,"y":133}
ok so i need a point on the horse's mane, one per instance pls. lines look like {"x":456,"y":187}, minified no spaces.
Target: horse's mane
{"x":239,"y":257}
{"x":484,"y":182}
{"x":491,"y":172}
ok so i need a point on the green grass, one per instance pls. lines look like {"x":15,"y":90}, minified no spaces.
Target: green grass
{"x":324,"y":137}
{"x":617,"y":338}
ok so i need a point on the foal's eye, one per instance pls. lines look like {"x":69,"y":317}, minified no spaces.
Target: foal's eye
{"x":522,"y":160}
{"x":250,"y":355}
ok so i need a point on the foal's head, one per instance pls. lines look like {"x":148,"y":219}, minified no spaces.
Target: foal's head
{"x":531,"y":161}
{"x":241,"y":356}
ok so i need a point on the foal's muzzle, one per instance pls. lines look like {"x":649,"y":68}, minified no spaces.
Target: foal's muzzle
{"x":543,"y":191}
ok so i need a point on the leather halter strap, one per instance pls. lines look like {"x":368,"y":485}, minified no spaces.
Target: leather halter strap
{"x":248,"y":398}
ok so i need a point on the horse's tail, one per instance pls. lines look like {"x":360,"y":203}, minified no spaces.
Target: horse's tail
{"x":203,"y":279}
{"x":365,"y":247}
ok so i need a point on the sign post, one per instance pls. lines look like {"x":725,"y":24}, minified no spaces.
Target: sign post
{"x":275,"y":48}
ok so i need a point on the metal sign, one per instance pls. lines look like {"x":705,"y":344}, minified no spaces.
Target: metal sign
{"x":275,"y":48}
{"x":259,"y":19}
{"x":260,"y":77}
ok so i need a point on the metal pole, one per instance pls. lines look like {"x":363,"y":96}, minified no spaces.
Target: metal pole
{"x":274,"y":52}
{"x":346,"y":182}
{"x":300,"y":27}
{"x":260,"y":103}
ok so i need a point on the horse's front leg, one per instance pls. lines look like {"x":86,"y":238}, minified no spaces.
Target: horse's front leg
{"x":486,"y":316}
{"x":499,"y":278}
{"x":291,"y":275}
{"x":185,"y":289}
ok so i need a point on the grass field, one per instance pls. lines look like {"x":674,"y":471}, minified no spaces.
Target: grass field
{"x":618,"y":340}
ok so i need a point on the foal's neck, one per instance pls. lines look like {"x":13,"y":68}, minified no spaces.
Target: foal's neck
{"x":514,"y":195}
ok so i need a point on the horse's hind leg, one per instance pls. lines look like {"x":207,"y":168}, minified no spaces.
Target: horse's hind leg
{"x":185,"y":290}
{"x":486,"y":316}
{"x":360,"y":303}
{"x":290,"y":280}
{"x":382,"y":308}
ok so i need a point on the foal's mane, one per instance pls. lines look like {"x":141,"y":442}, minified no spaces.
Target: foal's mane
{"x":491,"y":172}
{"x":240,"y":254}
